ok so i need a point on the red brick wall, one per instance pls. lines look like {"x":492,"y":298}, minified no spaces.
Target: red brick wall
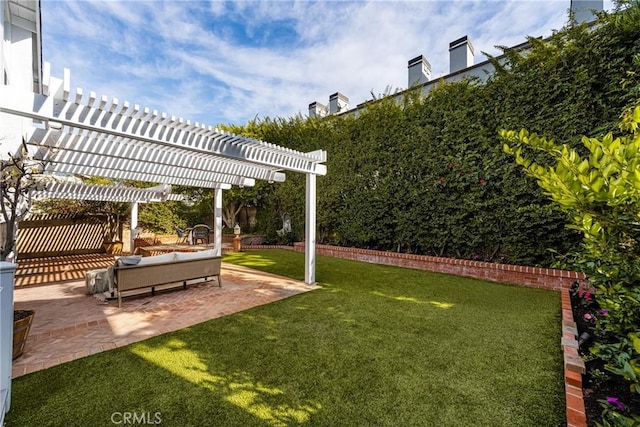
{"x":573,"y":367}
{"x":290,"y":248}
{"x":535,"y":277}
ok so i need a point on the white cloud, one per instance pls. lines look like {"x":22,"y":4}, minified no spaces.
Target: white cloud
{"x":230,"y":61}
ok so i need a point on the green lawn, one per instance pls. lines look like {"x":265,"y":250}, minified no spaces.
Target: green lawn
{"x":376,"y":345}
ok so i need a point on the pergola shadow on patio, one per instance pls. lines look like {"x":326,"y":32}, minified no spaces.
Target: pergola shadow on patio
{"x":48,"y":270}
{"x":69,"y":324}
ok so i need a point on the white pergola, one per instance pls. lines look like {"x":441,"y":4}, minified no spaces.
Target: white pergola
{"x":74,"y":133}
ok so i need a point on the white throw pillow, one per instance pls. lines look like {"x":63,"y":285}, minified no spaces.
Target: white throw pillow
{"x":184,"y":256}
{"x":158,"y":259}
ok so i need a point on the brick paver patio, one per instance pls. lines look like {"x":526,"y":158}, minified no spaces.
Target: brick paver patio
{"x":70,"y":324}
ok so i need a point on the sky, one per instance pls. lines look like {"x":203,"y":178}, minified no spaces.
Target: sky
{"x":216,"y":62}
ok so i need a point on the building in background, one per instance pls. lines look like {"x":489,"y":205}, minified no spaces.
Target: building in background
{"x":461,"y":65}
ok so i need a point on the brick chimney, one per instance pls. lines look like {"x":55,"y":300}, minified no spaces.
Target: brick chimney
{"x":337,"y":103}
{"x":317,"y":110}
{"x":460,"y":54}
{"x":419,"y":70}
{"x":582,"y":9}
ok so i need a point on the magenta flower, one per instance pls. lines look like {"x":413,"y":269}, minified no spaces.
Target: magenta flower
{"x":604,"y":312}
{"x":588,"y":316}
{"x":615,"y":401}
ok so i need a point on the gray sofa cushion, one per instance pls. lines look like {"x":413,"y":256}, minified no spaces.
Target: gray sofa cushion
{"x":128,"y":260}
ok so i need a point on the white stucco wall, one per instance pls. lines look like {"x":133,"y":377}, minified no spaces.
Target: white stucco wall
{"x":20,"y":58}
{"x":5,"y":38}
{"x":17,"y":59}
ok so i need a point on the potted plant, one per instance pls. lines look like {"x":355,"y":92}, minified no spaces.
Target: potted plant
{"x":22,"y":320}
{"x":17,"y":173}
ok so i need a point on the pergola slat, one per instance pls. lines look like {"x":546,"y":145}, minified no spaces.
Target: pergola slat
{"x":136,"y":176}
{"x":107,"y":193}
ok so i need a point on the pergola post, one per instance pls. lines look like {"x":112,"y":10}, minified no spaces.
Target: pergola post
{"x":134,"y":225}
{"x":217,"y":220}
{"x":310,"y":231}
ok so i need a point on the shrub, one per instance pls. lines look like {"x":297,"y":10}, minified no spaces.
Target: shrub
{"x":600,"y":192}
{"x":426,"y":175}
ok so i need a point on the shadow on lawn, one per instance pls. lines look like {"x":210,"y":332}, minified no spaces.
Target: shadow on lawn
{"x":266,"y":402}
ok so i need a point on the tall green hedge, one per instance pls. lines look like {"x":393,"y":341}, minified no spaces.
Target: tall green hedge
{"x":428,"y":175}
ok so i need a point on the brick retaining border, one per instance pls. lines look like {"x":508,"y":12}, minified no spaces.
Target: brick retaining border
{"x":533,"y":277}
{"x":289,"y":248}
{"x":573,"y":366}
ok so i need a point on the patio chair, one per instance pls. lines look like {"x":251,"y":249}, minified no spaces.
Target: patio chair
{"x":182,"y":235}
{"x":200,"y":233}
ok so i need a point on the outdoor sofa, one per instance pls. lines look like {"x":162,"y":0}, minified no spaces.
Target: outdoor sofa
{"x":134,"y":272}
